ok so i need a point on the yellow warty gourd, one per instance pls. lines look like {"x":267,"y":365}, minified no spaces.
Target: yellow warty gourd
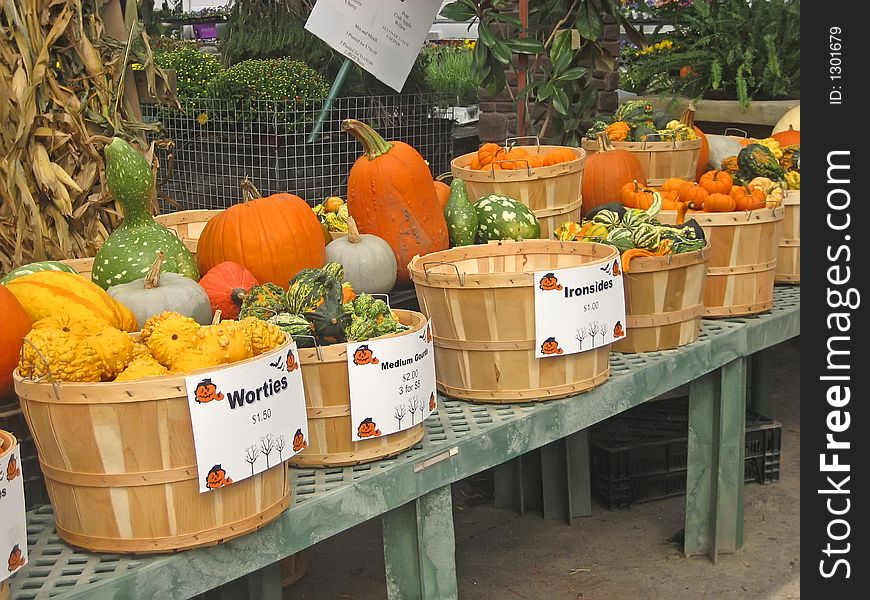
{"x":262,"y":335}
{"x":142,"y":367}
{"x":114,"y":349}
{"x":59,"y":355}
{"x":72,"y":318}
{"x":227,"y":341}
{"x":140,"y":350}
{"x":169,"y":335}
{"x":193,"y":360}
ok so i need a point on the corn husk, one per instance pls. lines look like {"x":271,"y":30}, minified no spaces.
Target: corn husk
{"x":61,"y":98}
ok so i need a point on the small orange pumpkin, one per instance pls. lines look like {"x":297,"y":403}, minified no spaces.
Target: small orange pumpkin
{"x":693,"y":193}
{"x":716,"y":182}
{"x":746,"y":199}
{"x":673,"y":183}
{"x":634,"y":195}
{"x":443,"y":192}
{"x":489,"y":152}
{"x":332,"y":204}
{"x":717,"y":202}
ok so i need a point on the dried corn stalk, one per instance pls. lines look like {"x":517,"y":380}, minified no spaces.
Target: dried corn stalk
{"x":60,"y":79}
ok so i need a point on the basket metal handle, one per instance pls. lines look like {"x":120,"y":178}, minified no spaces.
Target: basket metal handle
{"x":738,"y":130}
{"x":525,"y":160}
{"x":317,"y":347}
{"x":51,"y":379}
{"x":386,"y":298}
{"x":509,"y":145}
{"x":461,"y":276}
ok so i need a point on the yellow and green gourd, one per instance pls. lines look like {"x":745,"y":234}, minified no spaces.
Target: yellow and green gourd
{"x":130,"y":250}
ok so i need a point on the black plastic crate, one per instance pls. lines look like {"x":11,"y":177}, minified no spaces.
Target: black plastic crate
{"x":12,"y":420}
{"x":641,"y":455}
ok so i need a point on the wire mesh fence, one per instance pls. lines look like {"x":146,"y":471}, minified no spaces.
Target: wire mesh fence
{"x":207,"y":149}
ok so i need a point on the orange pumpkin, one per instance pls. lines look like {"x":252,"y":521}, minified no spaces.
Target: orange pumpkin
{"x":607,"y":171}
{"x":16,"y":324}
{"x":560,"y":155}
{"x":704,"y":154}
{"x":442,"y":190}
{"x":273,"y":237}
{"x":634,"y":195}
{"x":673,"y":183}
{"x":746,"y":199}
{"x":788,"y":137}
{"x":390,"y":195}
{"x":716,"y":182}
{"x":488,"y":153}
{"x":717,"y":202}
{"x":226,"y":285}
{"x":693,"y":194}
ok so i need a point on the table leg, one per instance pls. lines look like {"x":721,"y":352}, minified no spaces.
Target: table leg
{"x":264,"y":584}
{"x":714,"y":484}
{"x":419,"y":549}
{"x":760,"y":378}
{"x":565,"y":477}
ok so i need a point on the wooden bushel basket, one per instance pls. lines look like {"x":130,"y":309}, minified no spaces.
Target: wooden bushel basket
{"x":120,"y":468}
{"x":481,"y":300}
{"x":788,"y":261}
{"x":664,"y":301}
{"x":552,"y":193}
{"x":327,"y":396}
{"x":660,"y":160}
{"x":188,"y":224}
{"x":743,"y":253}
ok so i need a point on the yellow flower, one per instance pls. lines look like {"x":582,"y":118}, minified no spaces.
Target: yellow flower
{"x":202,"y":118}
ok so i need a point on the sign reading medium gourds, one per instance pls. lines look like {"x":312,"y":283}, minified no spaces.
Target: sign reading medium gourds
{"x":13,"y":523}
{"x":578,"y":309}
{"x":392,"y":383}
{"x":248,"y":417}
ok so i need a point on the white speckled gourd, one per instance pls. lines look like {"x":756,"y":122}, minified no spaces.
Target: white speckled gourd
{"x":130,"y":250}
{"x":158,"y":292}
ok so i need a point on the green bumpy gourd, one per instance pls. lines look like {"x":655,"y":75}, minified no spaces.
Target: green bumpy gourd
{"x":460,"y":215}
{"x":130,"y":250}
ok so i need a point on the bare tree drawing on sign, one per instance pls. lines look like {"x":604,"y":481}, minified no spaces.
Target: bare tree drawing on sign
{"x":280,"y":444}
{"x":582,"y":334}
{"x":251,"y":456}
{"x":267,"y":444}
{"x":399,"y":413}
{"x":415,"y":404}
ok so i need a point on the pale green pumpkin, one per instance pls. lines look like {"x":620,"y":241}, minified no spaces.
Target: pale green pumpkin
{"x":130,"y":250}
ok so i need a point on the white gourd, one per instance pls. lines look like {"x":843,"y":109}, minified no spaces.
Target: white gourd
{"x":369,"y":262}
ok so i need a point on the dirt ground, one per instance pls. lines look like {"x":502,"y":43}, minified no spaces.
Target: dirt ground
{"x":611,"y":555}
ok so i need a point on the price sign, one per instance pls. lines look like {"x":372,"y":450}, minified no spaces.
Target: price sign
{"x":247,"y":418}
{"x":382,"y":37}
{"x":13,"y":524}
{"x":578,"y":309}
{"x":392,"y":383}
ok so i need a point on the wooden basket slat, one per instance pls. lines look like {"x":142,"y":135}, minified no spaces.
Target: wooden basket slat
{"x":484,"y":327}
{"x":788,"y":262}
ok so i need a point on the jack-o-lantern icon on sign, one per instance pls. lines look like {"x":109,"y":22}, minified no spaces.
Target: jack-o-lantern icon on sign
{"x":615,"y":270}
{"x":216,"y":478}
{"x":206,"y":391}
{"x":618,"y":331}
{"x":16,"y":559}
{"x":549,"y":282}
{"x":299,"y":442}
{"x":364,"y":356}
{"x":368,"y":428}
{"x":551,"y":346}
{"x":292,"y":364}
{"x":12,"y":470}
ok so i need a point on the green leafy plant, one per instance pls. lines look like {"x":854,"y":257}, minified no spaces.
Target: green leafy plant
{"x":447,"y":70}
{"x":561,"y":48}
{"x":723,"y":49}
{"x":276,"y":79}
{"x":194,"y":69}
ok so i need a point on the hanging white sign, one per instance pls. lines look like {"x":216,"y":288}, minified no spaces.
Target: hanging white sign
{"x":578,"y":309}
{"x":382,"y":37}
{"x":13,"y":523}
{"x":392,"y":383}
{"x":247,"y":418}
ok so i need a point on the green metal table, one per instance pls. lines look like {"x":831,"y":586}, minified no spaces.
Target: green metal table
{"x":411,"y":493}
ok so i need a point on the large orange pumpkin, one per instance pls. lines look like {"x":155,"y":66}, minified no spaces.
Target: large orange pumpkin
{"x":607,"y":171}
{"x":390,"y":194}
{"x":704,"y":155}
{"x":16,"y":324}
{"x":273,"y":237}
{"x":788,"y":137}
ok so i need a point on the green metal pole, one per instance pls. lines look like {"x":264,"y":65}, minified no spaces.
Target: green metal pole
{"x":333,"y":93}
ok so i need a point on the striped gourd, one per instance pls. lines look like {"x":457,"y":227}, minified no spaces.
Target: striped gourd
{"x":608,"y":218}
{"x":647,"y":236}
{"x":621,"y":237}
{"x":36,"y":267}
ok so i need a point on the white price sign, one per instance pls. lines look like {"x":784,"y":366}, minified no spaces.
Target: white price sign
{"x":578,"y":309}
{"x":247,"y":418}
{"x":382,"y":37}
{"x":392,"y":383}
{"x":13,"y":523}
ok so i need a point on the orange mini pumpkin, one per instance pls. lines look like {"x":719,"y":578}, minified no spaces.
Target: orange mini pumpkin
{"x":443,"y":192}
{"x":717,"y":202}
{"x":716,"y":182}
{"x":489,"y":152}
{"x":694,"y":194}
{"x":673,"y":183}
{"x":634,"y":195}
{"x":746,"y":199}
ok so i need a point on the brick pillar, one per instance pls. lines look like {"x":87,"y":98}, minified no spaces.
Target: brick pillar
{"x":498,"y":114}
